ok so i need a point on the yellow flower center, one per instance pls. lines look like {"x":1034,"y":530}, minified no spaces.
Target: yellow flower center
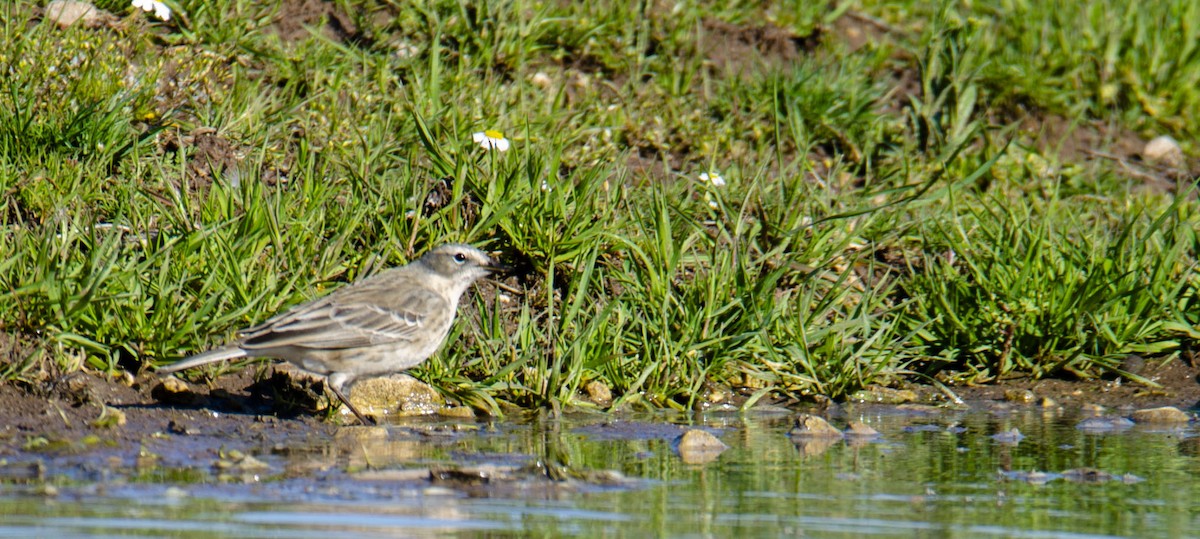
{"x":492,"y":133}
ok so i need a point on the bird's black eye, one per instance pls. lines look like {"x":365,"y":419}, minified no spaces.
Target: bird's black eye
{"x":460,"y":258}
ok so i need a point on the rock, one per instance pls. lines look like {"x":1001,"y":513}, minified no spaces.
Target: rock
{"x":598,"y":392}
{"x":713,"y":394}
{"x":699,"y":446}
{"x":172,"y":390}
{"x":1048,"y":402}
{"x":456,"y":412}
{"x":109,"y":417}
{"x":811,"y":426}
{"x":884,"y":395}
{"x":395,"y":395}
{"x":809,"y":446}
{"x":1166,"y":414}
{"x":236,"y":461}
{"x":541,"y":80}
{"x":68,"y":12}
{"x":860,"y":429}
{"x":1019,"y":396}
{"x":1163,"y":150}
{"x":1012,"y":436}
{"x":1087,"y":475}
{"x":696,"y":439}
{"x":1104,"y":424}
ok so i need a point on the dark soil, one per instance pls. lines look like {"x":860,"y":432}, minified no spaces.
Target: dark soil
{"x":1178,"y":385}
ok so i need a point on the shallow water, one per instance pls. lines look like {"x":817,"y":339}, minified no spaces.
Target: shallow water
{"x":929,"y":475}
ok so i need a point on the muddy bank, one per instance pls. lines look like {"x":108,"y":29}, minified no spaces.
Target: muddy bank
{"x":93,"y":421}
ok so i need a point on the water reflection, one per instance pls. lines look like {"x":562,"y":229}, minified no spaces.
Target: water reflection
{"x":1027,"y":472}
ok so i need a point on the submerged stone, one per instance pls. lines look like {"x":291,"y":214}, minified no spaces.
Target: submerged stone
{"x":811,"y":426}
{"x":1166,"y":414}
{"x":1104,"y":424}
{"x":1011,"y":436}
{"x":699,"y":446}
{"x":860,"y":430}
{"x":1087,"y":475}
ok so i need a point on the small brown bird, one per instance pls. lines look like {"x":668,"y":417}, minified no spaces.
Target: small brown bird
{"x":386,"y":323}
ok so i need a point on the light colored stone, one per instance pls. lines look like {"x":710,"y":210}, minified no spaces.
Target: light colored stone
{"x":696,"y":439}
{"x":598,"y":392}
{"x":396,"y":395}
{"x":1166,"y":414}
{"x":1164,"y":150}
{"x":860,"y":429}
{"x":699,"y":446}
{"x":68,"y":12}
{"x":541,"y":80}
{"x":811,"y":426}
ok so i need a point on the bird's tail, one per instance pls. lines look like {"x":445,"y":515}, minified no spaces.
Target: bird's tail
{"x":211,"y":356}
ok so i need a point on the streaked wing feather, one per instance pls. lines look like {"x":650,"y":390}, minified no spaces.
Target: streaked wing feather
{"x":347,"y":321}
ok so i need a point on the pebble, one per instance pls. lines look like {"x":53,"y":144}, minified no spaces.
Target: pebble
{"x":1164,"y":150}
{"x":598,"y":392}
{"x":1019,"y":396}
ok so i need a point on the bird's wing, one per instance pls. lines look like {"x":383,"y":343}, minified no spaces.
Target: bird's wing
{"x":350,"y":318}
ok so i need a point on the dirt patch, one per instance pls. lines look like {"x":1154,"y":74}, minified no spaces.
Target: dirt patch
{"x":210,"y":155}
{"x":1109,"y":146}
{"x":737,"y":49}
{"x":295,"y":17}
{"x":857,"y":30}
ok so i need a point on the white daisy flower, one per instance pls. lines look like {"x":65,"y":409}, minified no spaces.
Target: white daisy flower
{"x":491,"y":139}
{"x":712,"y":177}
{"x":160,"y":9}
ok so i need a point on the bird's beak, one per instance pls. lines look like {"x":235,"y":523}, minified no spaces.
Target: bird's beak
{"x":496,"y":267}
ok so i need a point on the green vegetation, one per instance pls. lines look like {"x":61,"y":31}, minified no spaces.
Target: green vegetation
{"x":949,"y":192}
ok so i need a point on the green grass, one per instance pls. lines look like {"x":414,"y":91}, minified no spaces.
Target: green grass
{"x":892,"y":209}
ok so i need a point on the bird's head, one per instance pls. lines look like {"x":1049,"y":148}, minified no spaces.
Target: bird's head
{"x":461,"y":263}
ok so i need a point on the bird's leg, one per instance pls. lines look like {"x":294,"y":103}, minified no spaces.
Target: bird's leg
{"x":361,"y":418}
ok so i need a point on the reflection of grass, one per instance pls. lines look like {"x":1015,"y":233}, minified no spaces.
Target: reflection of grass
{"x":876,"y":220}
